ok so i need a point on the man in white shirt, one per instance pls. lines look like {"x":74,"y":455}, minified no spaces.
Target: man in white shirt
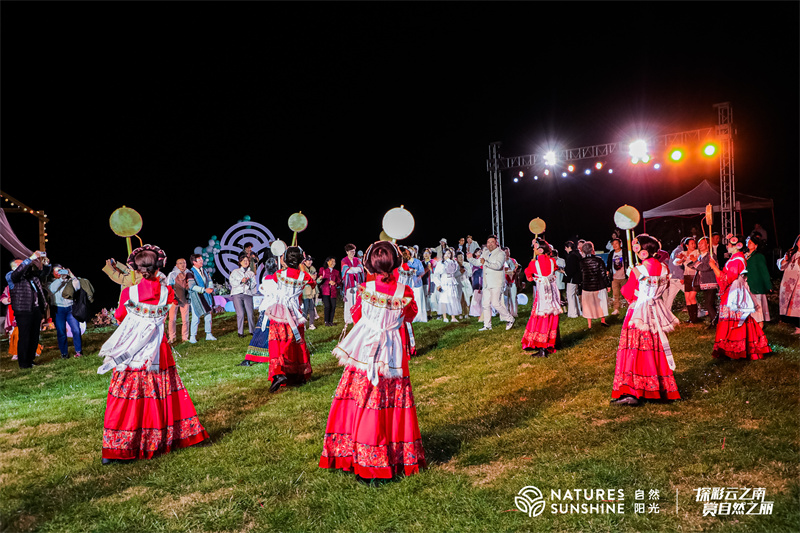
{"x":493,"y":261}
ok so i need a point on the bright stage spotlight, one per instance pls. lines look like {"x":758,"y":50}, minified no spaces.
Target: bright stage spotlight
{"x":571,"y":168}
{"x":610,"y":170}
{"x":563,"y":174}
{"x":587,"y":171}
{"x":676,"y":154}
{"x":547,"y":172}
{"x":536,"y":178}
{"x":598,"y":165}
{"x":657,"y":166}
{"x":550,"y":158}
{"x":710,"y":149}
{"x":638,"y":152}
{"x":521,"y":173}
{"x":516,"y":180}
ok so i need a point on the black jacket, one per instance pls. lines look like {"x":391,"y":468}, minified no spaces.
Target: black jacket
{"x":23,"y":295}
{"x":593,"y":272}
{"x":572,"y":270}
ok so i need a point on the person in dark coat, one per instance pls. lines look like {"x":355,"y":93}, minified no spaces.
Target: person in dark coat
{"x":595,"y":285}
{"x":29,"y":303}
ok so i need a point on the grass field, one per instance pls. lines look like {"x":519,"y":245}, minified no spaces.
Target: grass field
{"x":493,"y":421}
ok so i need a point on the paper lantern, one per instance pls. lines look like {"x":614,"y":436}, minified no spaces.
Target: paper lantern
{"x":626,"y":217}
{"x":398,"y":223}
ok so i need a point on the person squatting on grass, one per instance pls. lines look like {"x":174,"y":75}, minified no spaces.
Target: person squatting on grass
{"x":738,"y":335}
{"x":288,"y":353}
{"x":148,"y":411}
{"x":372,"y":428}
{"x":644,"y":358}
{"x":542,"y":329}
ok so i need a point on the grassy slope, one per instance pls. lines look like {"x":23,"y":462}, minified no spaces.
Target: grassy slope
{"x":493,"y":420}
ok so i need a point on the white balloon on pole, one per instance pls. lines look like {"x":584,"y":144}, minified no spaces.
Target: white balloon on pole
{"x":398,"y":223}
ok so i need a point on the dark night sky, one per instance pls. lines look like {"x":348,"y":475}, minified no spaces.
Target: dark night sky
{"x":197,"y":114}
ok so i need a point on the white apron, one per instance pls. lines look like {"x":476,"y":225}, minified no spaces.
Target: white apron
{"x":137,"y":341}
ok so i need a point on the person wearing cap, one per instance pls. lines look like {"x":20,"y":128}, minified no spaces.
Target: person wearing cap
{"x":441,"y":249}
{"x":64,"y":311}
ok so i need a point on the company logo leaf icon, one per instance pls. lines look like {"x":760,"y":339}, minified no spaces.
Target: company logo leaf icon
{"x":530,"y":501}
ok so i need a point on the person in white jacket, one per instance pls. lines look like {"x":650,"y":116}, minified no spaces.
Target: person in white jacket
{"x":447,"y":278}
{"x":243,"y":288}
{"x":493,"y":260}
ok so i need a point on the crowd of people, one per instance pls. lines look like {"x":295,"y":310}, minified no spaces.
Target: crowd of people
{"x":372,"y":429}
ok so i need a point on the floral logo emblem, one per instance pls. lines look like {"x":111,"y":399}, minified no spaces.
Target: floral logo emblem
{"x":530,"y":501}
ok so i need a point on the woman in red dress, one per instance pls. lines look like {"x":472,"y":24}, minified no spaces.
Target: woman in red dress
{"x":738,"y":335}
{"x":289,"y":360}
{"x":644,"y":359}
{"x":542,"y":329}
{"x":372,"y":428}
{"x":148,"y":411}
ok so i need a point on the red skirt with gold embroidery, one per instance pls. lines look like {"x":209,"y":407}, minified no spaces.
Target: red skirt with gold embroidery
{"x":287,"y":356}
{"x":149,"y":413}
{"x":642,"y":369}
{"x":740,"y":342}
{"x":541,"y":332}
{"x":373,"y":431}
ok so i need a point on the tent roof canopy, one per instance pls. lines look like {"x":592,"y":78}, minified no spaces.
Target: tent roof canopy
{"x":695,"y":201}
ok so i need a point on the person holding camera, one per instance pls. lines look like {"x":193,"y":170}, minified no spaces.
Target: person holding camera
{"x":29,"y":303}
{"x":64,"y":316}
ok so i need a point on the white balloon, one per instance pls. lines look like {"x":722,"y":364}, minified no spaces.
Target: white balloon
{"x":209,"y":249}
{"x":198,"y":250}
{"x":211,"y":242}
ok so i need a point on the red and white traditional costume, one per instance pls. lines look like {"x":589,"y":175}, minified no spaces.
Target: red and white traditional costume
{"x":542,"y":328}
{"x":738,"y":334}
{"x":372,"y":428}
{"x":644,"y":359}
{"x":148,"y":411}
{"x":288,"y":352}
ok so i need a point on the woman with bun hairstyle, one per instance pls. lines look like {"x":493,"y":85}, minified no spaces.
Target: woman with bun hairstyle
{"x":644,"y":359}
{"x":288,"y":353}
{"x":148,"y":411}
{"x":372,"y":428}
{"x":542,"y":329}
{"x":738,"y":335}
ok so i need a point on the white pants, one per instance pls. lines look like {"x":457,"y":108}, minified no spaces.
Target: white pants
{"x":573,"y":302}
{"x":494,"y":298}
{"x":196,"y":322}
{"x":675,"y":286}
